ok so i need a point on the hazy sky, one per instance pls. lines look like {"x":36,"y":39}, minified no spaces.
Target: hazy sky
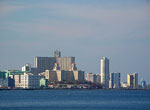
{"x":86,"y":29}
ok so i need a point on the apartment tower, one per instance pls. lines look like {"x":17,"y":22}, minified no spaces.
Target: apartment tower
{"x":105,"y":72}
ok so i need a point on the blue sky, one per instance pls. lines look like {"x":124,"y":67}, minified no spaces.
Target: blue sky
{"x":86,"y":29}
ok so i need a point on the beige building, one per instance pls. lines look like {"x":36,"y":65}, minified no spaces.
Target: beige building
{"x":62,"y":75}
{"x":132,"y":80}
{"x":95,"y":78}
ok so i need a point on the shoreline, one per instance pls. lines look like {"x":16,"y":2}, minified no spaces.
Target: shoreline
{"x":73,"y":89}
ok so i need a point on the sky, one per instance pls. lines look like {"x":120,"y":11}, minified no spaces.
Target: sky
{"x":86,"y":29}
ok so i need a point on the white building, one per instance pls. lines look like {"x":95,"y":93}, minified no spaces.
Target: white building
{"x":105,"y":72}
{"x":26,"y":81}
{"x":95,"y":78}
{"x":27,"y":67}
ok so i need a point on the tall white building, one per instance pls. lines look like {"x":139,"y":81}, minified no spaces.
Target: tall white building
{"x":105,"y":72}
{"x":114,"y":80}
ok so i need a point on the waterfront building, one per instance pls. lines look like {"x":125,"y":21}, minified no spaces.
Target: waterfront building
{"x":47,"y":63}
{"x":3,"y":83}
{"x":27,"y":80}
{"x":43,"y":82}
{"x":11,"y":82}
{"x":143,"y":83}
{"x":63,"y":75}
{"x":105,"y":72}
{"x":7,"y":75}
{"x":114,"y":80}
{"x":78,"y":75}
{"x":3,"y":75}
{"x":98,"y":78}
{"x":91,"y":77}
{"x":124,"y":84}
{"x":95,"y":78}
{"x":132,"y":80}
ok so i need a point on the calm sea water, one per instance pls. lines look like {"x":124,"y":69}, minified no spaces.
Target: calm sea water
{"x":74,"y":100}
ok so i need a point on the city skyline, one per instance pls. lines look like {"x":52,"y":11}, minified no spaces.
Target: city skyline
{"x":88,"y":30}
{"x":43,"y":64}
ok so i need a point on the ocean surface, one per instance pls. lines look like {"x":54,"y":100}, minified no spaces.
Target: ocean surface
{"x":75,"y":100}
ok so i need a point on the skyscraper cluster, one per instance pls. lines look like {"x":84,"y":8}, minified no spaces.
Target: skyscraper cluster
{"x":112,"y":79}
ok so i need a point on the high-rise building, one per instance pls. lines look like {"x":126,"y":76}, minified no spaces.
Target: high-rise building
{"x":105,"y":72}
{"x":114,"y":80}
{"x":44,"y":63}
{"x":132,"y":80}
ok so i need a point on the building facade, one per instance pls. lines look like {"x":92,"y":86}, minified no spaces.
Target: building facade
{"x":47,"y":63}
{"x":94,"y":78}
{"x":143,"y":83}
{"x":63,"y":75}
{"x":65,"y":63}
{"x":26,"y":80}
{"x":91,"y":77}
{"x":43,"y":63}
{"x":114,"y":80}
{"x":3,"y":83}
{"x":132,"y":80}
{"x":105,"y":72}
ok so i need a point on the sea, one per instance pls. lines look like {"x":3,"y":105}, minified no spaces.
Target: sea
{"x":75,"y":100}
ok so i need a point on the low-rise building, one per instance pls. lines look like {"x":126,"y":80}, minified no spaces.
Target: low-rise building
{"x":143,"y":83}
{"x":26,"y":80}
{"x":3,"y":83}
{"x":124,"y":84}
{"x":95,"y":78}
{"x":43,"y":82}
